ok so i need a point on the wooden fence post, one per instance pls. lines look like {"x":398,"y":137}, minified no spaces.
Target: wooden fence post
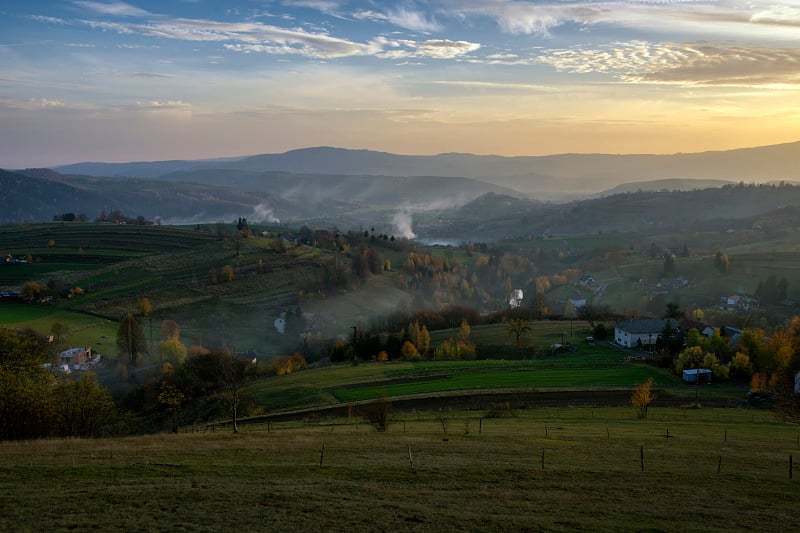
{"x":410,"y":460}
{"x":641,"y":457}
{"x":542,"y":459}
{"x":321,"y":454}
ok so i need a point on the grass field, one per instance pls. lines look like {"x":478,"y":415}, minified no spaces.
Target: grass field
{"x":543,"y":469}
{"x":82,"y":329}
{"x":341,"y":384}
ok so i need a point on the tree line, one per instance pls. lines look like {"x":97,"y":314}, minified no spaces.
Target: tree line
{"x":37,"y":403}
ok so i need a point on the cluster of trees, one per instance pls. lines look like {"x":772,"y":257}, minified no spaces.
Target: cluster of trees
{"x":722,"y":262}
{"x":36,"y":403}
{"x":286,"y":364}
{"x":459,"y":346}
{"x":70,"y":217}
{"x":772,"y":290}
{"x":205,"y":385}
{"x":411,"y":343}
{"x":769,"y":361}
{"x":116,"y":217}
{"x":365,"y":261}
{"x":225,"y":274}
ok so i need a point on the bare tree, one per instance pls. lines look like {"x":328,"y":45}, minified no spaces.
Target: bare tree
{"x":517,"y":327}
{"x":234,"y":373}
{"x":379,"y":413}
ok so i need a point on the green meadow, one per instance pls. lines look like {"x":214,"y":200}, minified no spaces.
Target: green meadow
{"x":539,"y":469}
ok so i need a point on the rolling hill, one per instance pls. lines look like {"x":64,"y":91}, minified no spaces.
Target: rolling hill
{"x":554,"y":177}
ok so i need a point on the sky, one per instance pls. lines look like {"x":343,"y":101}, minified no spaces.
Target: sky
{"x":100,"y":80}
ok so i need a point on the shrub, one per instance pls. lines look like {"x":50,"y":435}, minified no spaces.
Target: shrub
{"x":379,"y":414}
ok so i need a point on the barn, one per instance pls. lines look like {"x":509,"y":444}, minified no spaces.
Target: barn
{"x":697,"y":375}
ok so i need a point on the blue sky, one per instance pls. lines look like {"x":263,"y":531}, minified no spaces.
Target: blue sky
{"x":95,"y":80}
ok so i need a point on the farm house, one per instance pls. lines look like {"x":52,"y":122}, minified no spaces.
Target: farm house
{"x":645,"y":332}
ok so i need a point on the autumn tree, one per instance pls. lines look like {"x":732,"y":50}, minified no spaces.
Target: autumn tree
{"x":409,"y":351}
{"x":517,"y":327}
{"x":464,"y":331}
{"x":170,"y":330}
{"x":227,"y":273}
{"x":171,"y":399}
{"x":172,"y":351}
{"x":419,"y":336}
{"x":59,"y":331}
{"x":144,"y":307}
{"x":722,"y":262}
{"x":642,"y":397}
{"x":31,"y":290}
{"x":131,"y":343}
{"x":741,"y":365}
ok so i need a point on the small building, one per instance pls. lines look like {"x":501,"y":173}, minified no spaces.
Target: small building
{"x":577,"y":303}
{"x":516,"y":299}
{"x":697,"y":375}
{"x":641,"y":332}
{"x":704,"y":329}
{"x":75,"y":356}
{"x":739,"y":302}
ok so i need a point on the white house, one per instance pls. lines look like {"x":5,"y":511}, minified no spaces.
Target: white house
{"x":516,"y":298}
{"x":635,"y":331}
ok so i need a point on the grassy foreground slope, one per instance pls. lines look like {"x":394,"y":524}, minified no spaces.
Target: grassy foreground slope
{"x":544,"y":469}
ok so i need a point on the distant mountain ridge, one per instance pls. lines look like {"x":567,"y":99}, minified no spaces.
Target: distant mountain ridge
{"x":552,"y":177}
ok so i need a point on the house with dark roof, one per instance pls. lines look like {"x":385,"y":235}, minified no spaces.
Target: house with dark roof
{"x":635,"y":332}
{"x":704,"y":329}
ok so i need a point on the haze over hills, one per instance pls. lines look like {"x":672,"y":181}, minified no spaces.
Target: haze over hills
{"x":408,"y":193}
{"x":555,"y":177}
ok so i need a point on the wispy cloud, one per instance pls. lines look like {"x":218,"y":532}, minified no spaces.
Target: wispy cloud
{"x":729,"y":17}
{"x":47,"y":20}
{"x":112,"y":8}
{"x":516,"y":87}
{"x":250,"y":37}
{"x":403,"y":17}
{"x":703,"y":64}
{"x":151,"y":75}
{"x":163,"y":105}
{"x":329,"y":7}
{"x":412,"y":20}
{"x":432,"y":48}
{"x":40,"y":104}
